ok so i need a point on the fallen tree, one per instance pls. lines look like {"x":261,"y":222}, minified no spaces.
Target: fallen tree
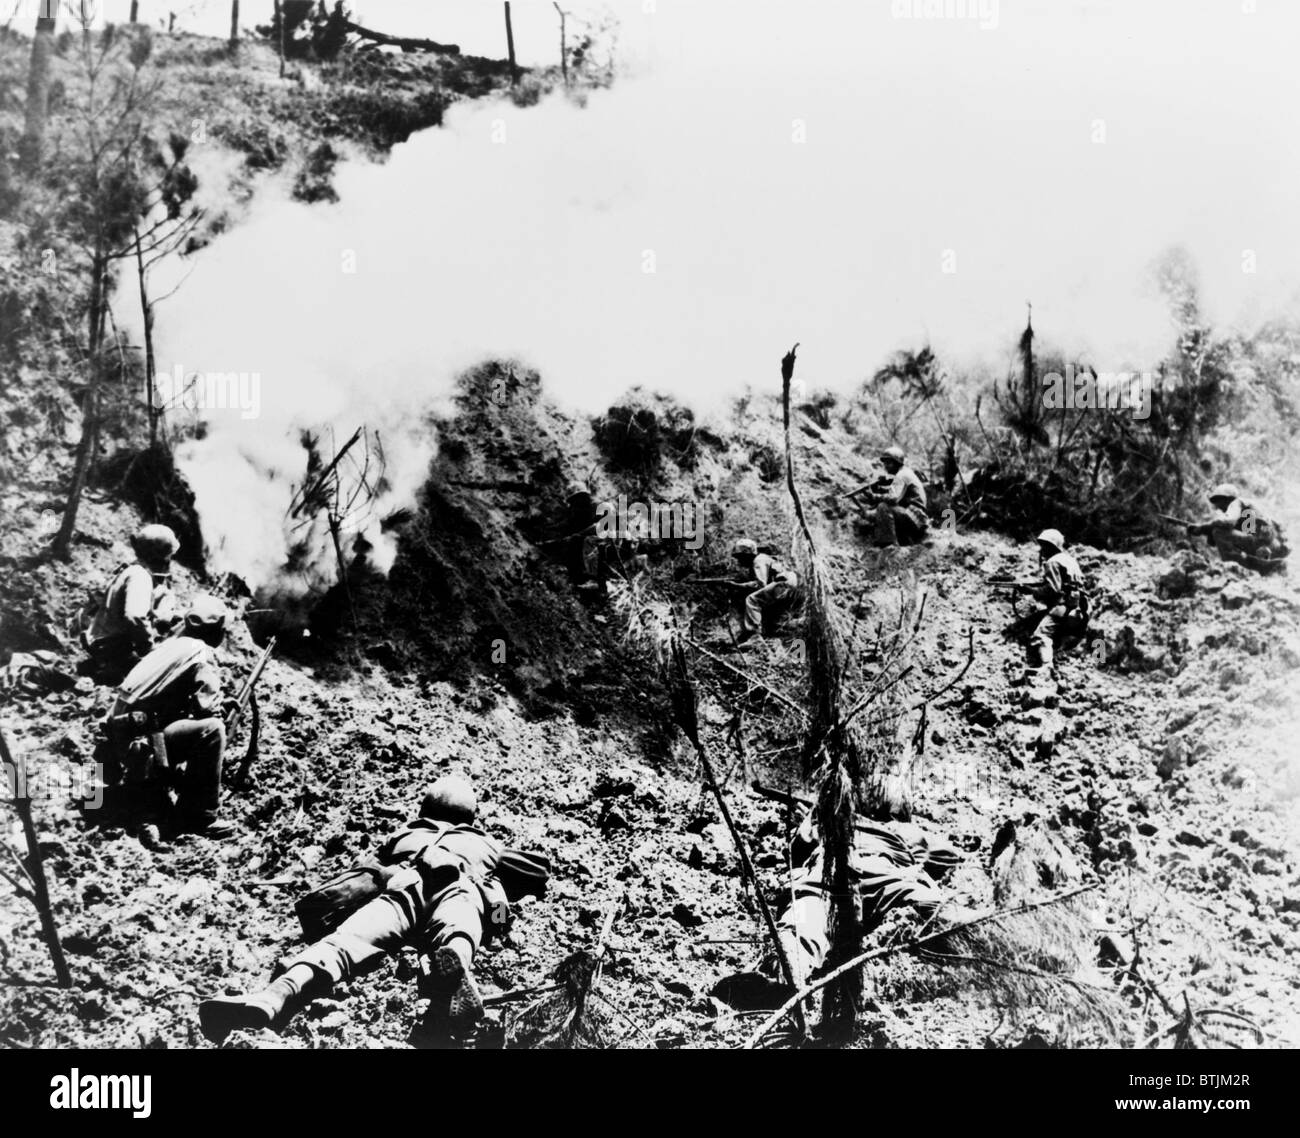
{"x":406,"y":43}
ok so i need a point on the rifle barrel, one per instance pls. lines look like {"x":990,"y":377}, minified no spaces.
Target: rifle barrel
{"x":250,"y":682}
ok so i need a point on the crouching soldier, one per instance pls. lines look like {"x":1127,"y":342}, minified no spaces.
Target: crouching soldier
{"x":767,"y":587}
{"x":1064,"y":615}
{"x":441,"y":883}
{"x":137,"y":607}
{"x":898,"y":502}
{"x":166,"y":723}
{"x":1239,"y":531}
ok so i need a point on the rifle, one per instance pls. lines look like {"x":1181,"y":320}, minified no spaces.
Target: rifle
{"x":717,"y":581}
{"x":1007,"y":582}
{"x":586,"y":531}
{"x":1178,"y":521}
{"x":247,"y":695}
{"x":791,"y":800}
{"x":874,"y":488}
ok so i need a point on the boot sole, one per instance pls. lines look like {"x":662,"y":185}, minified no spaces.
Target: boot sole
{"x":219,"y":1017}
{"x":465,"y":1005}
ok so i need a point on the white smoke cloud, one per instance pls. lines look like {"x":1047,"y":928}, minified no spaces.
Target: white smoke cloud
{"x":776,"y":172}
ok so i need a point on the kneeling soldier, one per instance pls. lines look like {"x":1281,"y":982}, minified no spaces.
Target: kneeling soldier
{"x":1239,"y":531}
{"x":1062,"y":595}
{"x":137,"y":607}
{"x":769,"y":588}
{"x":897,"y":502}
{"x":166,"y":721}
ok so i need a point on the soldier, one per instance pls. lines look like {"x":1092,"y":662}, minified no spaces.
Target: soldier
{"x":900,"y":508}
{"x":1239,"y":531}
{"x":891,"y":864}
{"x":137,"y":607}
{"x":1062,"y":595}
{"x":437,"y":884}
{"x":167,"y":719}
{"x":769,"y":587}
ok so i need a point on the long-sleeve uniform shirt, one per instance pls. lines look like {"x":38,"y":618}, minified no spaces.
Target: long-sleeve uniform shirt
{"x":445,"y":886}
{"x":1062,"y":580}
{"x":179,"y":679}
{"x":135,"y":602}
{"x":767,"y":570}
{"x":907,"y":492}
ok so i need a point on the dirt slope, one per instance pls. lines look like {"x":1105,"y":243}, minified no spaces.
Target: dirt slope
{"x":1204,"y":858}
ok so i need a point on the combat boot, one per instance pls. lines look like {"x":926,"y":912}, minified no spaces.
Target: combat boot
{"x":254,"y":1011}
{"x":454,"y":982}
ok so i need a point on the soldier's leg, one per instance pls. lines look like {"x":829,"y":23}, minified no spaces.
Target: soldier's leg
{"x":763,"y":606}
{"x":198,"y":744}
{"x":886,"y":531}
{"x":908,"y":526}
{"x":804,"y":930}
{"x":452,"y":936}
{"x":1230,"y":543}
{"x":355,"y":947}
{"x":751,"y":614}
{"x":1042,"y":642}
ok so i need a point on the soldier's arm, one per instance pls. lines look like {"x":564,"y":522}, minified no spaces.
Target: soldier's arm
{"x":897,"y":488}
{"x":137,"y":604}
{"x":207,"y":688}
{"x":1052,"y":588}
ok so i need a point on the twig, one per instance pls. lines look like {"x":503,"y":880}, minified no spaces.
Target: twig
{"x":35,"y":867}
{"x":746,"y":676}
{"x":970,"y":659}
{"x":751,"y":875}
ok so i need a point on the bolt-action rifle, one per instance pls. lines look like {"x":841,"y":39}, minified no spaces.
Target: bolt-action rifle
{"x":246,"y":699}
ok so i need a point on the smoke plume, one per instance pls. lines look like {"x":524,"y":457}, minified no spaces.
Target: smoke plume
{"x":774,"y":172}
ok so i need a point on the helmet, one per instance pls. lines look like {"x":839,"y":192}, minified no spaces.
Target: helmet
{"x":577,"y":490}
{"x":206,"y":613}
{"x":1224,"y":490}
{"x":745,"y":547}
{"x":450,"y":799}
{"x":155,"y":543}
{"x":895,"y":454}
{"x":1053,"y":537}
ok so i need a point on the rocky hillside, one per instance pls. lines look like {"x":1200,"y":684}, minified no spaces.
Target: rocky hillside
{"x":1159,"y":769}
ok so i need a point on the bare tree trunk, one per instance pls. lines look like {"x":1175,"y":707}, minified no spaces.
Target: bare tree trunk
{"x":33,"y":865}
{"x":279,"y":23}
{"x":89,"y":408}
{"x":146,"y":313}
{"x":564,"y":51}
{"x":234,"y":25}
{"x":510,"y":44}
{"x":32,"y":147}
{"x":135,"y":12}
